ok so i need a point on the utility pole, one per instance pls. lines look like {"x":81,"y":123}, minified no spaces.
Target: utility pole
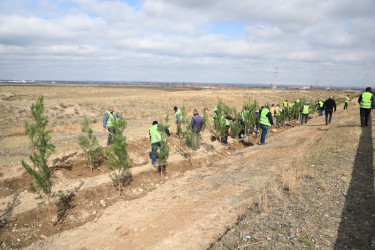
{"x":274,"y":78}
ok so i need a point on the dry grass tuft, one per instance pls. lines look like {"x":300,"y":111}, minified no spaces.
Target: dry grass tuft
{"x":15,"y":132}
{"x":289,"y":179}
{"x":66,"y":128}
{"x":277,"y":191}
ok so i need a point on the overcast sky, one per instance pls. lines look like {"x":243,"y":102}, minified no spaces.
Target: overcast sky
{"x":329,"y":42}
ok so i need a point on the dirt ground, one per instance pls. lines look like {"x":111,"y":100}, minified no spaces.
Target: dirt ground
{"x":239,"y":196}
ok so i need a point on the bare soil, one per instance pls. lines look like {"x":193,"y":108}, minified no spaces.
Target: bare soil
{"x":218,"y":196}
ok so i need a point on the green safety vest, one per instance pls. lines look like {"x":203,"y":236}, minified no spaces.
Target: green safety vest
{"x":263,"y":117}
{"x":346,"y":99}
{"x":111,"y":119}
{"x":366,"y":100}
{"x":297,"y":101}
{"x":178,"y":112}
{"x":277,"y":110}
{"x":285,"y":104}
{"x":243,"y":115}
{"x":321,"y":104}
{"x":291,"y":105}
{"x":215,"y":113}
{"x":224,"y":120}
{"x":305,"y":109}
{"x":155,"y":134}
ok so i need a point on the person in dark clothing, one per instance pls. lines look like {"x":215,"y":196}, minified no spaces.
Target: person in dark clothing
{"x":329,"y":107}
{"x":367,"y":105}
{"x":196,"y":126}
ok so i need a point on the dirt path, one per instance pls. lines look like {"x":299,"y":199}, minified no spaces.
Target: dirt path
{"x":188,"y":212}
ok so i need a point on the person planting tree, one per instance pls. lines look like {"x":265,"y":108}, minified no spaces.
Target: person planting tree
{"x":265,"y":122}
{"x":305,"y":112}
{"x":109,"y":120}
{"x":178,"y":119}
{"x":158,"y":140}
{"x":196,"y":126}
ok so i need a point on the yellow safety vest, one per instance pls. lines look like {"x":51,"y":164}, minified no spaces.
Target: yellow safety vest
{"x":155,"y":134}
{"x":366,"y":100}
{"x":263,"y":117}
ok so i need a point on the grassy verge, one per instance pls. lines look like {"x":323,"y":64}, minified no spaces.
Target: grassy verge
{"x":306,"y":206}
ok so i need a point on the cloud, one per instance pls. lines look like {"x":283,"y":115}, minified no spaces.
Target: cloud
{"x":186,"y":40}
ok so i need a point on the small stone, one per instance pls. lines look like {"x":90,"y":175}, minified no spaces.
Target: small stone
{"x":43,"y":236}
{"x":40,"y":225}
{"x":94,"y":212}
{"x":102,"y":202}
{"x":26,"y":225}
{"x":96,"y":219}
{"x":19,"y":240}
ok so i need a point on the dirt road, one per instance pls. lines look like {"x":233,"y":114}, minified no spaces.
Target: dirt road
{"x":188,"y":212}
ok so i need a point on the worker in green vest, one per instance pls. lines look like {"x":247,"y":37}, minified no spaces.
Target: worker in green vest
{"x":158,"y":139}
{"x":108,"y":123}
{"x":285,"y":105}
{"x":347,"y":101}
{"x":215,"y":115}
{"x":367,"y":105}
{"x":265,"y":122}
{"x":225,"y":123}
{"x":305,"y":112}
{"x":320,"y":105}
{"x":178,"y":119}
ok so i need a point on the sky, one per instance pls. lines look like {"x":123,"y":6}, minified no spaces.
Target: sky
{"x":319,"y":42}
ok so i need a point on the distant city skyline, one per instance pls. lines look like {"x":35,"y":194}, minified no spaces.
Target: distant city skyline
{"x":324,"y":42}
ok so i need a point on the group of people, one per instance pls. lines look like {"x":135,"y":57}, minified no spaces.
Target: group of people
{"x":266,"y":117}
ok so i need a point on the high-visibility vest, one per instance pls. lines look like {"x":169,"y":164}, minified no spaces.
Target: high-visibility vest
{"x":263,"y":117}
{"x":215,"y":113}
{"x":305,"y":109}
{"x":285,"y":104}
{"x":155,"y":134}
{"x":224,"y":120}
{"x":347,"y":99}
{"x":291,"y":105}
{"x":111,"y":119}
{"x":277,"y":110}
{"x":178,"y":112}
{"x":321,"y":104}
{"x":243,"y":115}
{"x":366,"y":100}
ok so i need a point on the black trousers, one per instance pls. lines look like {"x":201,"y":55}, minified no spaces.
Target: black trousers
{"x":365,"y":116}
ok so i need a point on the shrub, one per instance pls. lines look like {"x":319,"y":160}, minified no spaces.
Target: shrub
{"x":90,"y":145}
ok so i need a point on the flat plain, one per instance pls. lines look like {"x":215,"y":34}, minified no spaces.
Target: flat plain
{"x":239,"y":196}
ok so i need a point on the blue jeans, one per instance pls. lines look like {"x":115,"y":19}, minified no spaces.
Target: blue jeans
{"x":328,"y":112}
{"x":306,"y":116}
{"x":154,"y":149}
{"x":264,"y":133}
{"x":111,"y":130}
{"x":320,"y":110}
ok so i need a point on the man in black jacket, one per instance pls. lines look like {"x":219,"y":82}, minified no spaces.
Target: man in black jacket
{"x":329,"y":107}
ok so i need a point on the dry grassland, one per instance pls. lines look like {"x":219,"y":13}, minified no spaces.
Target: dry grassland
{"x":279,"y":184}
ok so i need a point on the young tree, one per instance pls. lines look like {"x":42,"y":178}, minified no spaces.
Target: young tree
{"x":251,"y":117}
{"x":205,"y":119}
{"x":164,"y":149}
{"x":42,"y":148}
{"x":90,"y":145}
{"x":117,"y":156}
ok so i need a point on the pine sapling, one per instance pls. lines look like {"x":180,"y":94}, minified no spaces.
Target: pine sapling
{"x":164,"y":149}
{"x":117,"y":156}
{"x":205,"y":119}
{"x":42,"y":148}
{"x":90,"y":145}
